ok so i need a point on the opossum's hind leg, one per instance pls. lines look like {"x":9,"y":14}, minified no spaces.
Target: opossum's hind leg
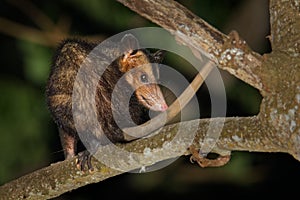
{"x":69,"y":143}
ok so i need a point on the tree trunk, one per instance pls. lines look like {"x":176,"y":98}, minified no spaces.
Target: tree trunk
{"x":276,"y":75}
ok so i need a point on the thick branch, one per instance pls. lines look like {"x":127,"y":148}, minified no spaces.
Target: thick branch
{"x":61,"y":177}
{"x":230,"y":52}
{"x":276,"y":129}
{"x":285,"y":26}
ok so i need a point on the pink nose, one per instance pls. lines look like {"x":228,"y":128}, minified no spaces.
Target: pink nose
{"x":163,"y":107}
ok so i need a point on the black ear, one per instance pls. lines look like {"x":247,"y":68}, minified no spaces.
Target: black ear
{"x":158,"y":56}
{"x":129,"y":43}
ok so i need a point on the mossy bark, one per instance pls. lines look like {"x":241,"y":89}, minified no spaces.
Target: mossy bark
{"x":276,"y":75}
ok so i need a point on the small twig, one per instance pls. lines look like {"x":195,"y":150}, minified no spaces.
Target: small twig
{"x":24,"y":32}
{"x":34,"y":13}
{"x":48,"y":33}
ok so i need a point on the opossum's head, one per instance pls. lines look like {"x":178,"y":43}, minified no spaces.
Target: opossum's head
{"x":142,"y":73}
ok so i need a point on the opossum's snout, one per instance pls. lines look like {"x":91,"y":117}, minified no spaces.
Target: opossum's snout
{"x":151,"y":97}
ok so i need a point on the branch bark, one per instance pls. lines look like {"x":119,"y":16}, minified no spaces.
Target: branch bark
{"x":276,"y":75}
{"x":230,"y":52}
{"x":61,"y":177}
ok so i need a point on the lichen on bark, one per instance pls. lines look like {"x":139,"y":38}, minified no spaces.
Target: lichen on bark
{"x":274,"y":129}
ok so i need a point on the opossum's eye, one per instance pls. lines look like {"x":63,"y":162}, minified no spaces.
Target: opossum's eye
{"x":144,"y":78}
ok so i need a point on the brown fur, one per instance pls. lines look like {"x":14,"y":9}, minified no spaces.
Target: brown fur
{"x":67,"y":62}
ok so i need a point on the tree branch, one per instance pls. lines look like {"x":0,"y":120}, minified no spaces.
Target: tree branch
{"x":285,"y":26}
{"x":275,"y":129}
{"x":61,"y":177}
{"x":48,"y":32}
{"x":230,"y":52}
{"x":276,"y":75}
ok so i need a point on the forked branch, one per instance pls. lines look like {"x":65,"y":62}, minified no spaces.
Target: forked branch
{"x":275,"y":129}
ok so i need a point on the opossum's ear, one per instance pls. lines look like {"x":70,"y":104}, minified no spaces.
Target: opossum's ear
{"x":129,"y":43}
{"x":158,"y":56}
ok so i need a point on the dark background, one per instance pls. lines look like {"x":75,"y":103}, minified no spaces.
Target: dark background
{"x":29,"y":138}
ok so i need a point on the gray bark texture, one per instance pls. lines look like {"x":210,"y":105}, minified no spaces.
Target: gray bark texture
{"x":276,"y":75}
